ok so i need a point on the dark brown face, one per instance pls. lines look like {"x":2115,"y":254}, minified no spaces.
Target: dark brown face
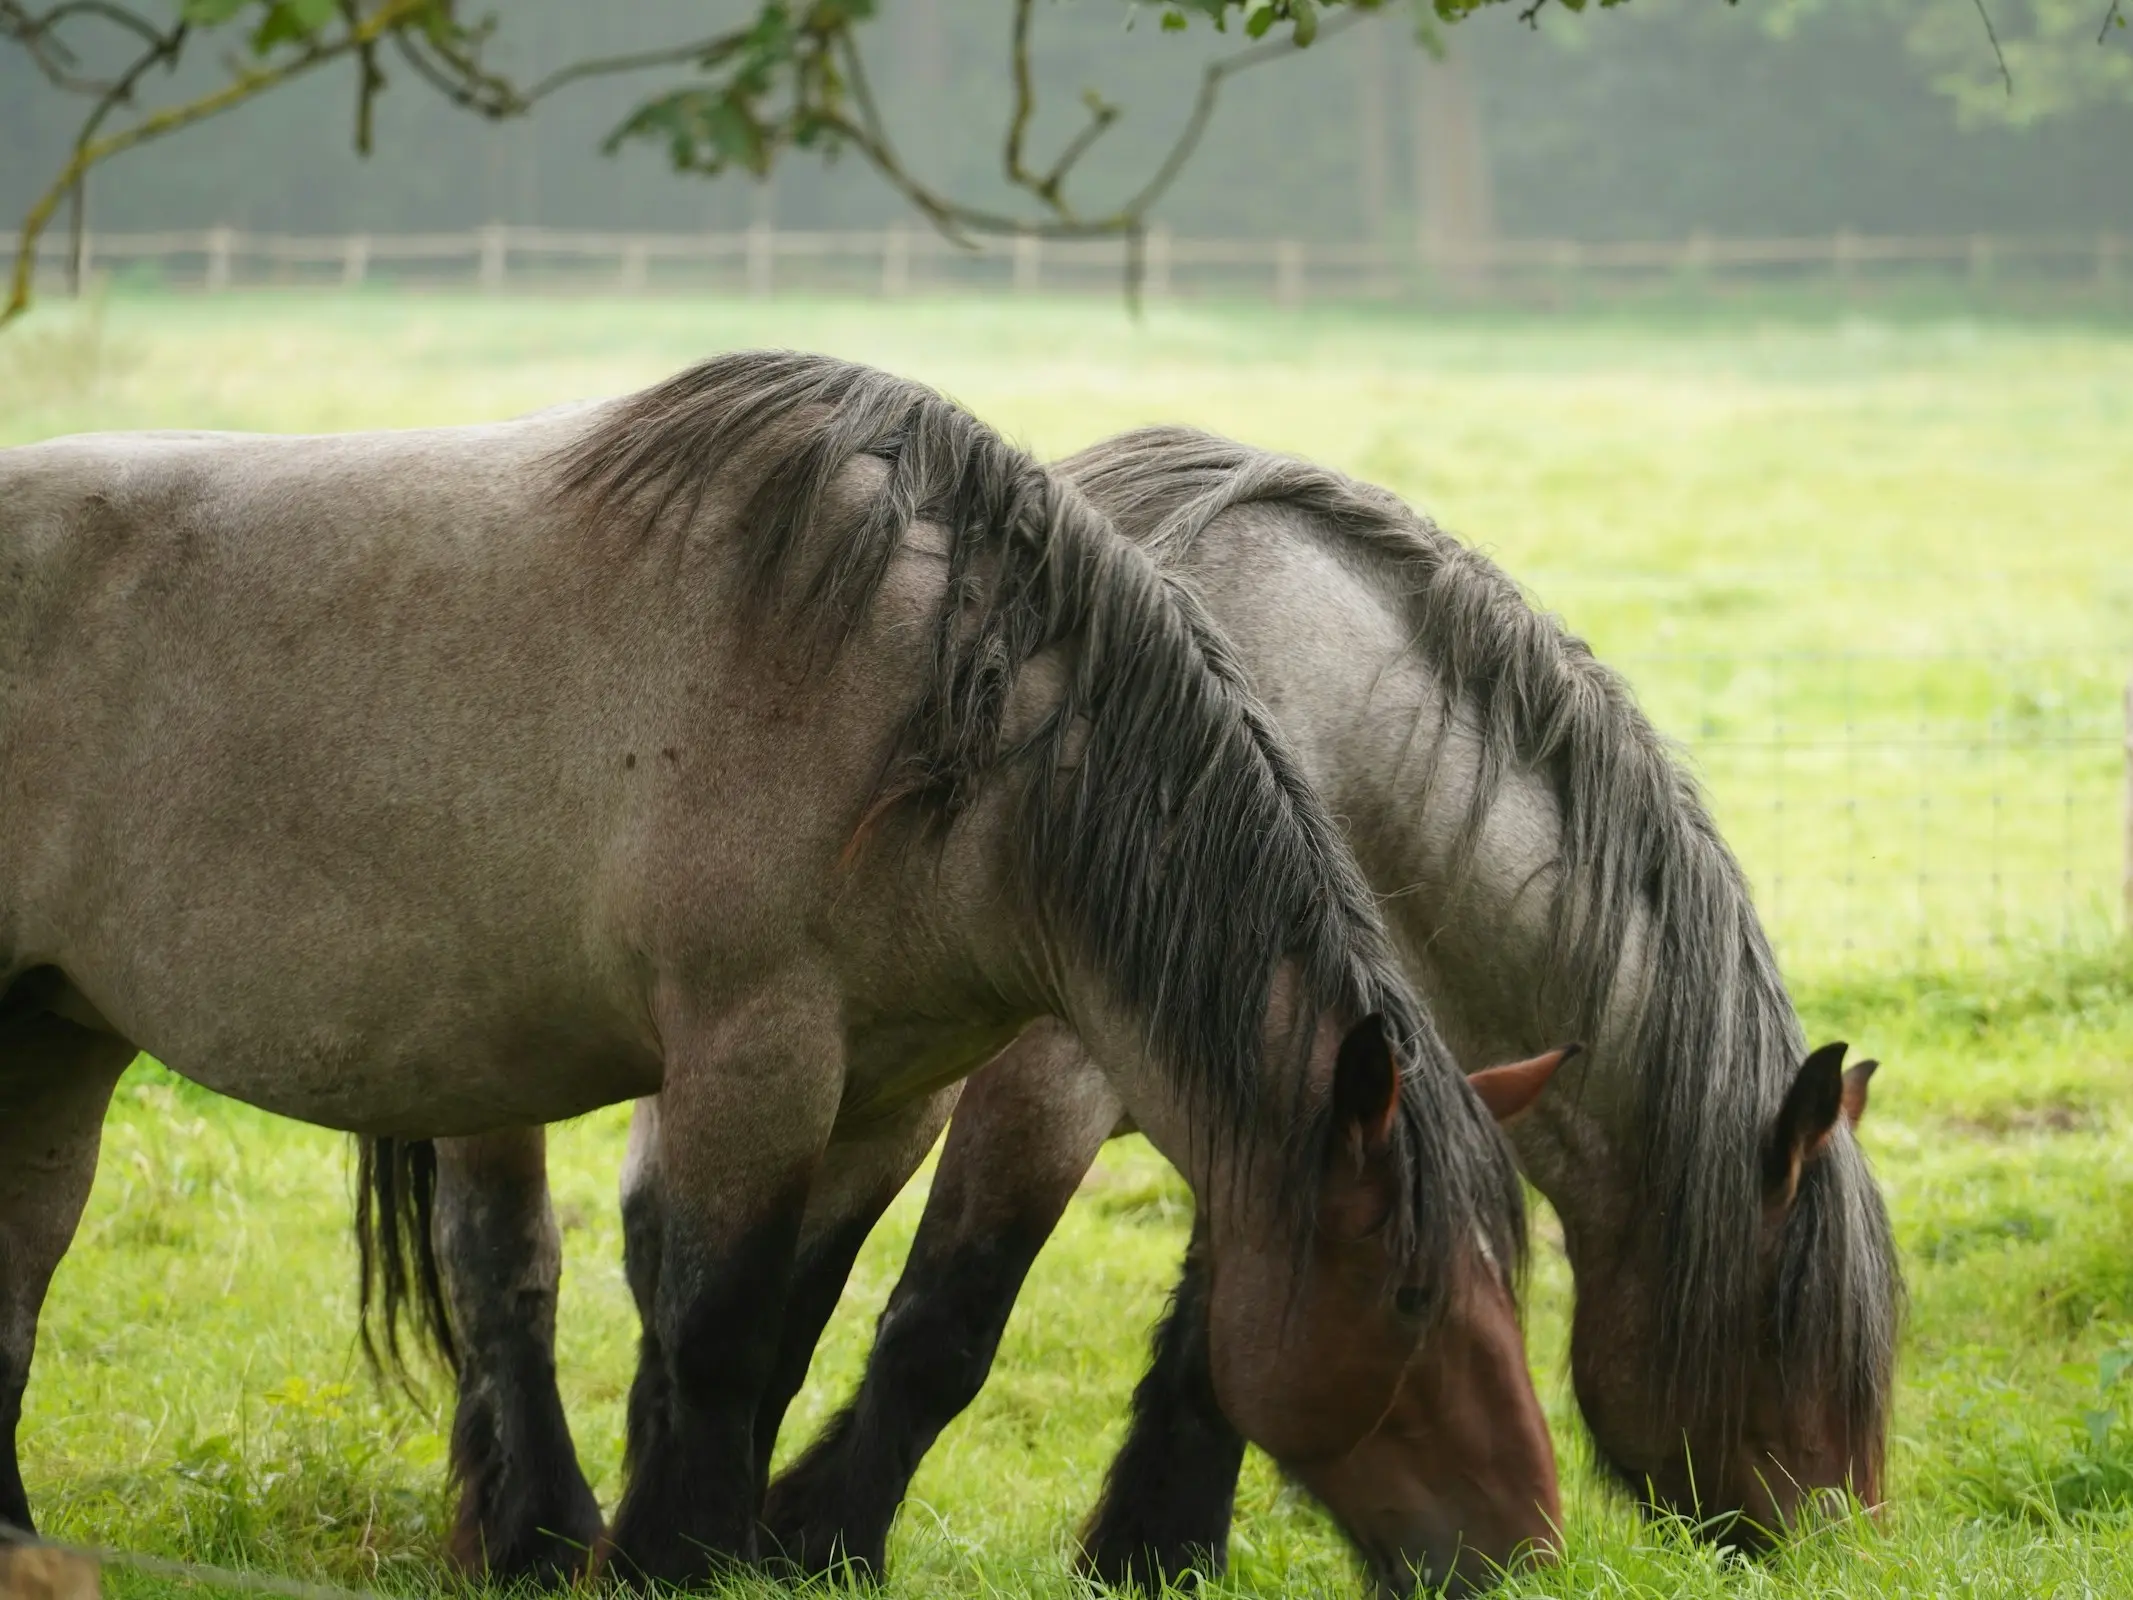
{"x":1747,"y":1479}
{"x":1305,"y":1368}
{"x":1433,"y":1455}
{"x":1457,"y":1482}
{"x":1743,"y":1485}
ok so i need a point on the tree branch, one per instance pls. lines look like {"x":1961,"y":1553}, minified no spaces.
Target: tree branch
{"x":119,"y":92}
{"x":1998,"y":55}
{"x":1050,"y":186}
{"x":956,"y":219}
{"x":2109,"y":17}
{"x":39,"y":38}
{"x":464,"y":81}
{"x":370,"y":82}
{"x":89,"y":150}
{"x":1101,"y":115}
{"x":437,"y":78}
{"x":703,"y":53}
{"x":781,"y":88}
{"x":870,"y":136}
{"x":1212,"y":77}
{"x":1025,"y":94}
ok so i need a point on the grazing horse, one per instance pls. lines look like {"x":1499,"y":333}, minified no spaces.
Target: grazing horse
{"x":1549,"y":871}
{"x":776,"y":740}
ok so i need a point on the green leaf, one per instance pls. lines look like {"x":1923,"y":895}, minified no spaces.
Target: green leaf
{"x":210,"y":13}
{"x":290,"y":22}
{"x":1306,"y":15}
{"x":1173,"y":22}
{"x":1256,"y":25}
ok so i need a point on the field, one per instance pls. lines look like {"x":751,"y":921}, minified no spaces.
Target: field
{"x":1876,"y":576}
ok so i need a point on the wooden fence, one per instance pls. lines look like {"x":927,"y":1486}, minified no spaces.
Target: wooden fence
{"x":902,"y":260}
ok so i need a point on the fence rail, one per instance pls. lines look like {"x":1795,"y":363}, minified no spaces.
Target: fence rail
{"x":902,"y":260}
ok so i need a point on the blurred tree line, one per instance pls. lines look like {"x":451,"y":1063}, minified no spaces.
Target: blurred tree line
{"x":1653,"y":119}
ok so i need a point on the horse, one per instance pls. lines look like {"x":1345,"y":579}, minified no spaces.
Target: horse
{"x":776,"y":740}
{"x":1548,"y":870}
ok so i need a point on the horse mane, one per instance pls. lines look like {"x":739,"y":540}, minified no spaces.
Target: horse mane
{"x":1714,"y":1030}
{"x":1170,"y":839}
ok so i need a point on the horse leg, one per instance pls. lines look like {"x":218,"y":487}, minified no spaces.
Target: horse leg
{"x":55,"y":1083}
{"x":525,"y":1509}
{"x":643,"y":1229}
{"x":860,"y":1178}
{"x":743,"y":1119}
{"x":1166,"y":1504}
{"x":1023,"y":1137}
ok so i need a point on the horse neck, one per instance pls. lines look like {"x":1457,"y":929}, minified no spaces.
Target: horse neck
{"x":955,"y":930}
{"x":1331,"y":651}
{"x":1116,"y":1041}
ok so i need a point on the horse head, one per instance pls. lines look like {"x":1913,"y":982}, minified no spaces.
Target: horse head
{"x":1389,"y":1381}
{"x":1743,"y":1454}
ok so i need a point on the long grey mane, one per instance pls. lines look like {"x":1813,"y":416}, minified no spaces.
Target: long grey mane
{"x":1715,"y":1038}
{"x":1168,"y":837}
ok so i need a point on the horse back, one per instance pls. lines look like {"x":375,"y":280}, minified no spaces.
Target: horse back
{"x":344,"y":762}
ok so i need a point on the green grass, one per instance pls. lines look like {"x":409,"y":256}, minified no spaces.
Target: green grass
{"x":1770,"y":525}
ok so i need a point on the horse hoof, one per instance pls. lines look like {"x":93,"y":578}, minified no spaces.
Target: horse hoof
{"x":1146,"y":1568}
{"x":545,"y":1560}
{"x":814,"y":1549}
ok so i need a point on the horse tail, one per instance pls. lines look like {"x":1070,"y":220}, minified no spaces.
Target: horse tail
{"x":396,"y":1254}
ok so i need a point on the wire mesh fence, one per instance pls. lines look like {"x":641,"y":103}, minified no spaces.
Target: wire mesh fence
{"x":1913,"y":807}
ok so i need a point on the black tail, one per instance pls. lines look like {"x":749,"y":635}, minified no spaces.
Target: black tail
{"x":396,"y":1252}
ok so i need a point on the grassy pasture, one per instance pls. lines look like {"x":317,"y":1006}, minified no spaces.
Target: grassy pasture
{"x":1878,"y":577}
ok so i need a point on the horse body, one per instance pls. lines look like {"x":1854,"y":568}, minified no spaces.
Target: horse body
{"x":1549,"y":871}
{"x":353,"y":785}
{"x":436,"y":783}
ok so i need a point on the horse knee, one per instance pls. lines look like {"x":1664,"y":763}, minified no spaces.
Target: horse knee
{"x":937,"y":1337}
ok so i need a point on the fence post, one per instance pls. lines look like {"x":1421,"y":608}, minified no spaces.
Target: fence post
{"x":495,"y":262}
{"x":1566,"y":270}
{"x":1981,"y":262}
{"x":1289,"y":273}
{"x":1155,"y":265}
{"x":1028,"y":262}
{"x":221,"y":245}
{"x":895,"y":262}
{"x":1696,"y":257}
{"x":636,"y":266}
{"x":2127,"y":880}
{"x":78,"y":229}
{"x":355,"y":260}
{"x":762,"y":249}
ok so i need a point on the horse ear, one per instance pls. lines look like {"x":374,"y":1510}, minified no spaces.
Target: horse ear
{"x":1509,"y":1090}
{"x":1856,"y":1077}
{"x":1805,"y":1121}
{"x":1366,"y":1082}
